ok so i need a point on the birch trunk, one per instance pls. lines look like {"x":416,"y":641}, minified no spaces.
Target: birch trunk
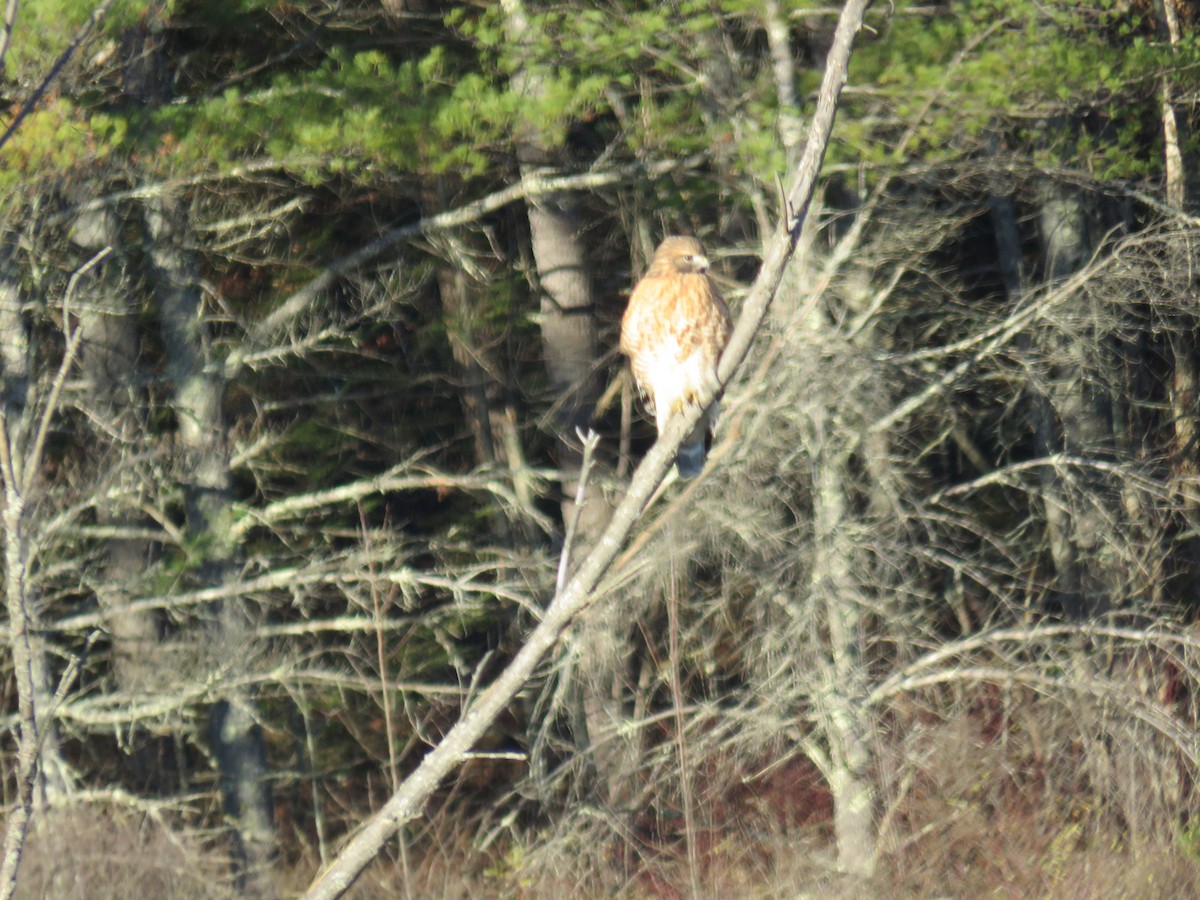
{"x":1185,"y":377}
{"x":14,"y":380}
{"x":23,"y":402}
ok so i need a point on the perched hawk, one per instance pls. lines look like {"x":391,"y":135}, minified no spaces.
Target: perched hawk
{"x":673,"y":332}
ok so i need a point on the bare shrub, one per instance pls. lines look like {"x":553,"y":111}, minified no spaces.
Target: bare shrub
{"x":90,"y":852}
{"x":1047,"y":792}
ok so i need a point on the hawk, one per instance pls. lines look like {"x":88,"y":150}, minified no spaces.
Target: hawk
{"x":673,"y":332}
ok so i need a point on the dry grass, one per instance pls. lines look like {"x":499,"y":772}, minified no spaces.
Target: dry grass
{"x":996,"y":802}
{"x":93,"y":853}
{"x":985,"y":792}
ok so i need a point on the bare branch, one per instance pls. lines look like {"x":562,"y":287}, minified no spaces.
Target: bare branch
{"x":986,"y":344}
{"x":398,"y":478}
{"x":339,"y":572}
{"x":1139,"y":707}
{"x":33,"y":461}
{"x":161,"y":189}
{"x":911,"y":676}
{"x":590,"y":441}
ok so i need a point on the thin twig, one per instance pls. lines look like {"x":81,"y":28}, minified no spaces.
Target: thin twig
{"x":590,"y":441}
{"x":685,"y":770}
{"x":33,"y":460}
{"x":65,"y":684}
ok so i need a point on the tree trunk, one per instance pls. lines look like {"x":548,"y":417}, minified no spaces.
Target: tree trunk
{"x":20,"y":396}
{"x":847,"y":728}
{"x":467,"y":352}
{"x":484,"y":392}
{"x":783,"y":68}
{"x":199,"y":388}
{"x":468,"y":347}
{"x":1081,"y":527}
{"x":1069,"y":411}
{"x":569,"y":343}
{"x":567,"y":306}
{"x":109,"y":366}
{"x":1185,"y":354}
{"x":14,"y":377}
{"x":570,"y":347}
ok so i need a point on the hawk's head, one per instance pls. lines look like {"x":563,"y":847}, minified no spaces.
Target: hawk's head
{"x":683,"y":254}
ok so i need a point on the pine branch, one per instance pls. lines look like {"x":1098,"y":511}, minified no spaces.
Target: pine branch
{"x":80,"y":36}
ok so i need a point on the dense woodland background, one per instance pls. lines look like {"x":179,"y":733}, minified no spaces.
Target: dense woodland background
{"x":303,"y":303}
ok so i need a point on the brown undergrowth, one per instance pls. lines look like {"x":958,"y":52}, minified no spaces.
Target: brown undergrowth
{"x":1011,"y":794}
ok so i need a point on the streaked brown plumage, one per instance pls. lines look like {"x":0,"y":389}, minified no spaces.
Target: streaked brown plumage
{"x":673,"y":332}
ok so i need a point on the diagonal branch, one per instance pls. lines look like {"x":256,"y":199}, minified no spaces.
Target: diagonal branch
{"x":406,"y":803}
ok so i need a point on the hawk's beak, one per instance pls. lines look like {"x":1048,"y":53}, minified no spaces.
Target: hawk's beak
{"x":701,"y":263}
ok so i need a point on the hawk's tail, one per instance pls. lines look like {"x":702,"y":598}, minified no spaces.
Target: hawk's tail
{"x":690,"y":460}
